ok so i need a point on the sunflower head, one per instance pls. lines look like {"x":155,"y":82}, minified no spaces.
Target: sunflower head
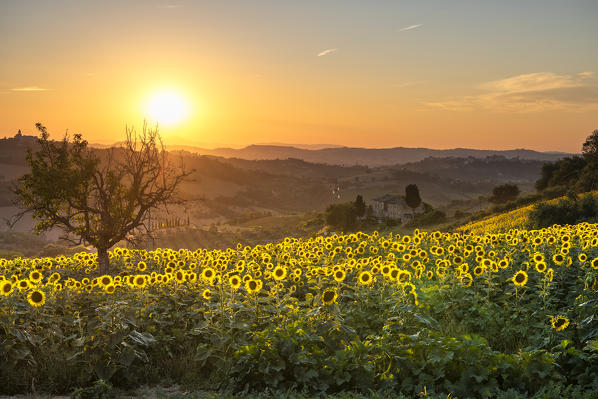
{"x":541,"y":267}
{"x":139,"y":281}
{"x":235,"y":282}
{"x":520,"y":278}
{"x":339,"y":275}
{"x":36,"y":298}
{"x":105,"y":280}
{"x":253,"y":286}
{"x":365,"y":278}
{"x":329,"y":296}
{"x":279,"y":273}
{"x":35,"y":276}
{"x":6,"y":288}
{"x":559,"y":323}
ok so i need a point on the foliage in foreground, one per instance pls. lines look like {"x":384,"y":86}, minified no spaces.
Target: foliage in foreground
{"x":439,"y":313}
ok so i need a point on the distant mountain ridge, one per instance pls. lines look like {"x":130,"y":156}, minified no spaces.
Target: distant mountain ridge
{"x":343,"y":156}
{"x":350,"y":156}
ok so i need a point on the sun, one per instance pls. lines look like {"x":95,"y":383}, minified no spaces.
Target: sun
{"x":167,"y":108}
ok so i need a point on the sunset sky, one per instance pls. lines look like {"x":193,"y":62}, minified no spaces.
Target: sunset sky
{"x":439,"y":74}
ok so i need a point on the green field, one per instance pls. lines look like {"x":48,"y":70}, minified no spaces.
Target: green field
{"x":429,"y":313}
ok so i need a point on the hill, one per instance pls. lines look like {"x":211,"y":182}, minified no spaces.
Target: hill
{"x":515,"y":219}
{"x":367,"y":156}
{"x":222,"y":192}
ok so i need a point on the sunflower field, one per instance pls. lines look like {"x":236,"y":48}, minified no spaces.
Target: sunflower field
{"x":469,"y":315}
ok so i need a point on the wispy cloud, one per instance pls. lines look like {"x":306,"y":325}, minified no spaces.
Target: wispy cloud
{"x":327,"y":51}
{"x":410,"y":27}
{"x":28,"y":88}
{"x":169,"y":6}
{"x":412,"y":83}
{"x":532,"y":92}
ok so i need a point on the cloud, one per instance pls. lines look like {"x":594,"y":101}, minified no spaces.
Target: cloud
{"x":415,"y":82}
{"x":533,"y":92}
{"x":169,"y":6}
{"x":28,"y":88}
{"x":410,"y":27}
{"x":327,"y":51}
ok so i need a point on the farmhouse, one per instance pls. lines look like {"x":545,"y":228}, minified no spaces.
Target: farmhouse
{"x":394,"y":207}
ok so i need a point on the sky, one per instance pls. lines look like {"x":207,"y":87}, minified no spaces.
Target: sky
{"x":439,"y":74}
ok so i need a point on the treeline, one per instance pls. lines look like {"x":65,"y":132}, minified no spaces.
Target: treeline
{"x":578,"y":174}
{"x":571,"y":209}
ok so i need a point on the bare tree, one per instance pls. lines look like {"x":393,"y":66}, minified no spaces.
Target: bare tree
{"x":97,"y":197}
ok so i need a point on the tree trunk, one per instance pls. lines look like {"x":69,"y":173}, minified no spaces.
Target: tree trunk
{"x":103,"y":261}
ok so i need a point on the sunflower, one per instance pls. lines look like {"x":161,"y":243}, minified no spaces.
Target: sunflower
{"x":208,"y":274}
{"x":478,"y":270}
{"x":179,"y":276}
{"x":520,"y":278}
{"x":558,"y":259}
{"x":23,"y":284}
{"x":35,"y":277}
{"x":36,"y":298}
{"x":141,"y":266}
{"x":594,"y":263}
{"x":6,"y":288}
{"x":110,"y":288}
{"x":582,"y":257}
{"x":541,"y":267}
{"x":206,"y":294}
{"x":466,"y":280}
{"x":234,"y":281}
{"x":329,"y":296}
{"x":559,"y":323}
{"x":54,"y":278}
{"x":339,"y":275}
{"x":404,"y":276}
{"x":139,"y":281}
{"x":279,"y":273}
{"x":365,"y":278}
{"x":550,"y":274}
{"x":253,"y":286}
{"x":104,"y":281}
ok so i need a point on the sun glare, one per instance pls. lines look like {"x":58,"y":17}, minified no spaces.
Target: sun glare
{"x":167,"y":108}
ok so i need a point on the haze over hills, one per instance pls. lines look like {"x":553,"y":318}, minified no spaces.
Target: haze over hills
{"x":331,"y":154}
{"x":349,"y":156}
{"x":230,"y":192}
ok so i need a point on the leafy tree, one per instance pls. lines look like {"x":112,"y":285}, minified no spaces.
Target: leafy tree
{"x":360,"y":206}
{"x":590,"y":147}
{"x":97,"y":197}
{"x":504,"y":193}
{"x":343,"y":216}
{"x":572,"y":173}
{"x":568,"y":210}
{"x":412,"y":197}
